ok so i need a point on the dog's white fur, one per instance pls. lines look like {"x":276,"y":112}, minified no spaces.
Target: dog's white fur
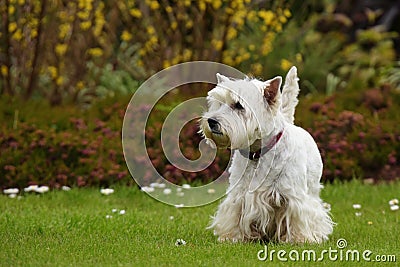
{"x":274,"y":198}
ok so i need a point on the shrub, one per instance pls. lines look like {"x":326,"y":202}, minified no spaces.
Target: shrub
{"x":71,"y":146}
{"x":57,"y":50}
{"x":356,"y":133}
{"x":66,"y":147}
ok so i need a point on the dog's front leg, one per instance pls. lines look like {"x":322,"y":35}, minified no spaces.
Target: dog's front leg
{"x":226,"y":222}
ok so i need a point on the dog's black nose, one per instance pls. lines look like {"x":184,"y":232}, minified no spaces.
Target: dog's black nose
{"x":214,"y":125}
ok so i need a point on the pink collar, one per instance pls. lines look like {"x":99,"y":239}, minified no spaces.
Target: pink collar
{"x":262,"y":151}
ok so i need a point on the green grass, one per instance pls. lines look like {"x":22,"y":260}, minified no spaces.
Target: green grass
{"x":70,"y":229}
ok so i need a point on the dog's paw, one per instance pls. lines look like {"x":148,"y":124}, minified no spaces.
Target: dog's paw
{"x":227,"y":240}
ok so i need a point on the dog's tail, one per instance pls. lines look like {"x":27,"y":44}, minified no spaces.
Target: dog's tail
{"x":290,"y":92}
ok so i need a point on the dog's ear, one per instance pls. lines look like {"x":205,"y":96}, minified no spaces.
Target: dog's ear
{"x":221,"y":78}
{"x":272,"y":89}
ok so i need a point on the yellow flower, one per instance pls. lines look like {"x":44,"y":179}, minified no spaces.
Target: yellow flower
{"x":98,"y":27}
{"x":232,"y":33}
{"x":81,"y":3}
{"x":126,"y":36}
{"x":4,"y":70}
{"x":80,"y":85}
{"x":287,"y":13}
{"x":34,"y":33}
{"x":154,"y":5}
{"x":202,"y":6}
{"x":238,"y":60}
{"x":229,"y":11}
{"x":63,"y":15}
{"x":21,"y":2}
{"x":153,"y":40}
{"x":174,"y":25}
{"x":61,"y":49}
{"x":17,"y":35}
{"x":85,"y":25}
{"x":63,"y":30}
{"x":246,"y":56}
{"x":11,"y":10}
{"x":12,"y":27}
{"x":33,"y":23}
{"x":217,"y":44}
{"x":187,"y":54}
{"x":228,"y":61}
{"x":286,"y":64}
{"x":256,"y":68}
{"x":216,"y":4}
{"x":299,"y":57}
{"x":151,"y":30}
{"x":142,"y":52}
{"x":252,"y":15}
{"x":60,"y":80}
{"x":189,"y":24}
{"x":176,"y":60}
{"x":168,"y":9}
{"x":266,"y":47}
{"x":95,"y":52}
{"x":53,"y":71}
{"x":282,"y":19}
{"x":83,"y":15}
{"x":278,"y":28}
{"x":267,"y":16}
{"x":166,"y":64}
{"x":135,"y":13}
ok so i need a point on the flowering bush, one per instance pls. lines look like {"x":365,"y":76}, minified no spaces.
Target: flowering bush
{"x":70,"y":147}
{"x":63,"y":50}
{"x":356,"y":133}
{"x":62,"y":148}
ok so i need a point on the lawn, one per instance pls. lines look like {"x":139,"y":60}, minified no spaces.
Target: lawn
{"x":71,"y":228}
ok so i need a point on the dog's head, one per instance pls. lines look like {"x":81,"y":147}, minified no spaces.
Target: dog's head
{"x":241,"y":111}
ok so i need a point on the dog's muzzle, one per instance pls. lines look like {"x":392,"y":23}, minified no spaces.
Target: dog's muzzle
{"x":214,"y":125}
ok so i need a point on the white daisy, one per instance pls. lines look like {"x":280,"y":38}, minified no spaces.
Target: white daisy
{"x":147,"y":189}
{"x":167,"y":191}
{"x":31,"y":188}
{"x":180,"y":242}
{"x":65,"y":188}
{"x":106,"y":191}
{"x":158,"y":185}
{"x":10,"y":191}
{"x":211,"y":191}
{"x":42,"y":189}
{"x":394,"y":201}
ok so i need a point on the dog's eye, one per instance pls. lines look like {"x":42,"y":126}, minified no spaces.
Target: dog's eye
{"x":238,"y":106}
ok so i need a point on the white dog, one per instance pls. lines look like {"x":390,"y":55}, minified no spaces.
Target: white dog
{"x":274,"y":181}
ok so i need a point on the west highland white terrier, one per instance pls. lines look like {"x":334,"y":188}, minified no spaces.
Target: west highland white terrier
{"x":274,"y":182}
